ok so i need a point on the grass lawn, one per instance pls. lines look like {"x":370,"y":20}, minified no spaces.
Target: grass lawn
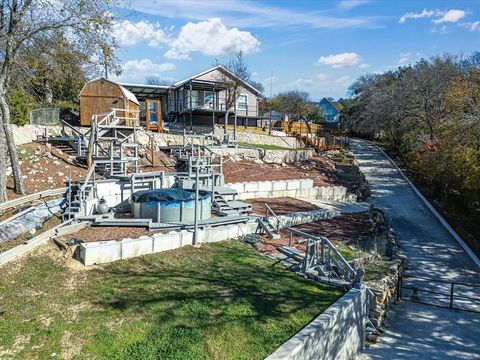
{"x":220,"y":301}
{"x":265,"y":147}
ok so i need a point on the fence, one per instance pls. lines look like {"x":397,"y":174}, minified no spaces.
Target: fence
{"x":45,"y":116}
{"x":440,"y":293}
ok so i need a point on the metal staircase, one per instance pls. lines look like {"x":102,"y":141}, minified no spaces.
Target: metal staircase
{"x":320,"y":259}
{"x":228,"y":207}
{"x":77,"y":196}
{"x":114,"y":136}
{"x":266,"y":227}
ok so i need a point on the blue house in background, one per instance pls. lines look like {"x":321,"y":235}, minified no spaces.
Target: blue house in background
{"x":329,"y":110}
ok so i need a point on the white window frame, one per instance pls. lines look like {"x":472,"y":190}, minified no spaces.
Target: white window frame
{"x":208,"y":104}
{"x":246,"y":102}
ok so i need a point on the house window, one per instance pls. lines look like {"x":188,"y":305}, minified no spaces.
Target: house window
{"x":194,"y":99}
{"x":208,"y":98}
{"x":242,"y":102}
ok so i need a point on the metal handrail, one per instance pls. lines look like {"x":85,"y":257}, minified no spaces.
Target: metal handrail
{"x":331,"y":248}
{"x":269,"y":209}
{"x":83,"y":200}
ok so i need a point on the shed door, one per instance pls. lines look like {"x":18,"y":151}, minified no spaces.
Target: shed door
{"x":153,"y":112}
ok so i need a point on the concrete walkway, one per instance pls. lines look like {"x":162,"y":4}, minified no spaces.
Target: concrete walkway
{"x":415,"y":331}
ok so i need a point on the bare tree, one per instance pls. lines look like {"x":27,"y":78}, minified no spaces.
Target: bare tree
{"x":295,"y":104}
{"x":22,"y":22}
{"x":232,"y":85}
{"x":157,"y":80}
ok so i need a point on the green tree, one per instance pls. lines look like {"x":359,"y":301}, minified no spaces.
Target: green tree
{"x":20,"y":106}
{"x":24,"y":23}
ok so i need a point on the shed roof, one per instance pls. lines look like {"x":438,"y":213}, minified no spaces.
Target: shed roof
{"x":144,"y":91}
{"x":128,"y":94}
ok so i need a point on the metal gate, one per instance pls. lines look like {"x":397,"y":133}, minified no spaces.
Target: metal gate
{"x":451,"y":295}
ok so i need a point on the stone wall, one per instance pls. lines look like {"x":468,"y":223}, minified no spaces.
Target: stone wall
{"x":30,"y":133}
{"x":385,"y":293}
{"x":337,"y":334}
{"x":267,"y":156}
{"x":166,"y":139}
{"x":265,"y":139}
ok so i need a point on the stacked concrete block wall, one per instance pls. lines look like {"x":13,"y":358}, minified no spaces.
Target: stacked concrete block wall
{"x":337,"y":334}
{"x":300,"y":188}
{"x":334,"y":193}
{"x":108,"y":251}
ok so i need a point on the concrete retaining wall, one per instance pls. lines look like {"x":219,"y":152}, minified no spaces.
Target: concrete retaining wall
{"x":299,"y":188}
{"x":337,"y":334}
{"x":108,"y":251}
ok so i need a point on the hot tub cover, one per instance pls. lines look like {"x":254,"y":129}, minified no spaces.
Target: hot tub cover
{"x":164,"y":195}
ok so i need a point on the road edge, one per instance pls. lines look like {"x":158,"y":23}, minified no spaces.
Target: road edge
{"x":434,"y":211}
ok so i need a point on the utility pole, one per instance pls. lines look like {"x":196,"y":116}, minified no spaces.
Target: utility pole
{"x":271,"y":79}
{"x":197,"y":212}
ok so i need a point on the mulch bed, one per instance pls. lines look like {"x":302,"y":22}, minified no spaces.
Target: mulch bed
{"x":280,"y":206}
{"x":104,"y":233}
{"x":344,"y":229}
{"x":320,"y":169}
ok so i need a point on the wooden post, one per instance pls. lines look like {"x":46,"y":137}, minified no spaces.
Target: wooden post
{"x":152,"y":151}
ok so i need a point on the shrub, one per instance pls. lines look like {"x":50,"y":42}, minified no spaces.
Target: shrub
{"x":20,"y":107}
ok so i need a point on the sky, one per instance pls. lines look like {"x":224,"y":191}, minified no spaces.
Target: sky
{"x":317,"y":46}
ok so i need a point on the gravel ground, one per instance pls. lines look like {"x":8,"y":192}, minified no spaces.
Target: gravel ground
{"x":43,"y":170}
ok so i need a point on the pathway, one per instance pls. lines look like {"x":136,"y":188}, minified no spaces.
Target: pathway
{"x":415,"y":331}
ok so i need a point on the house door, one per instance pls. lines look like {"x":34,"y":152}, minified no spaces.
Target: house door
{"x":153,"y":115}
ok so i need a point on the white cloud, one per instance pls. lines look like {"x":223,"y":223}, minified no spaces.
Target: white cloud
{"x":324,"y":82}
{"x":128,"y":33}
{"x":146,"y":66}
{"x":350,"y":4}
{"x":339,"y":60}
{"x":411,"y":15}
{"x":363,"y":66}
{"x":441,"y":30}
{"x":475,"y":26}
{"x":251,"y":14}
{"x":343,"y":81}
{"x":305,"y":82}
{"x":269,"y":79}
{"x":213,"y":38}
{"x":451,"y":16}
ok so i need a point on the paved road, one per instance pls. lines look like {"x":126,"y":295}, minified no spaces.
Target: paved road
{"x":415,"y":331}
